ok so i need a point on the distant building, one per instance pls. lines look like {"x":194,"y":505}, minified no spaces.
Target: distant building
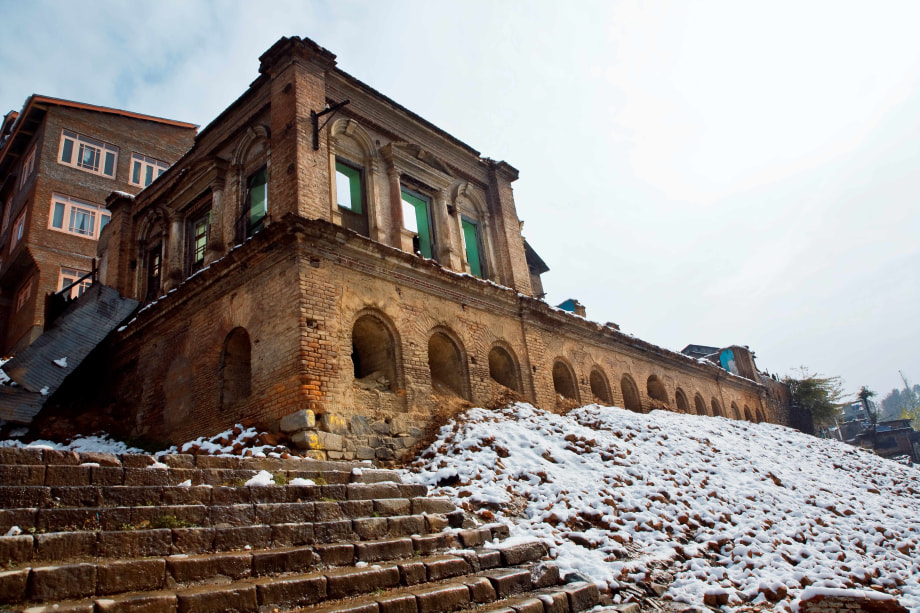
{"x":59,"y":161}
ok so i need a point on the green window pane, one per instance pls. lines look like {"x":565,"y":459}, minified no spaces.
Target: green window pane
{"x":136,"y":173}
{"x":67,"y":151}
{"x":58,"y":218}
{"x":109,"y":169}
{"x":148,"y":177}
{"x":471,"y":237}
{"x":348,"y":187}
{"x":422,"y":227}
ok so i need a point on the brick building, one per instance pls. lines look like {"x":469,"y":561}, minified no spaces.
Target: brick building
{"x":59,"y":161}
{"x":354,"y":260}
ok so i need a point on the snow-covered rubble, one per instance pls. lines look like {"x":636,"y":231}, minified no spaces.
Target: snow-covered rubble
{"x":757,"y":511}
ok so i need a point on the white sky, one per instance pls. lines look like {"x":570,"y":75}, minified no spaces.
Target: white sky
{"x":700,"y":172}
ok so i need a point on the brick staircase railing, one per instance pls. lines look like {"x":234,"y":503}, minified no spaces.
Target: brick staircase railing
{"x":99,"y":532}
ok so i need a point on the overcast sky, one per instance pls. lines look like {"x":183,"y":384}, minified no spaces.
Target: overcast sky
{"x":700,"y":172}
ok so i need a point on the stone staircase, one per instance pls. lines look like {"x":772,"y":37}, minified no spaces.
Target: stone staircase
{"x":182,"y":533}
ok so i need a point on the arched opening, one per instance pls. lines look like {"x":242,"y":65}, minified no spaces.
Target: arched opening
{"x":235,"y":379}
{"x":747,"y":414}
{"x":631,"y":400}
{"x":736,"y":412}
{"x":657,"y":393}
{"x":564,"y":381}
{"x":716,"y":408}
{"x":503,"y":369}
{"x":760,"y":417}
{"x":447,"y":366}
{"x":681,"y":399}
{"x":373,"y":354}
{"x":699,"y":404}
{"x":600,"y":389}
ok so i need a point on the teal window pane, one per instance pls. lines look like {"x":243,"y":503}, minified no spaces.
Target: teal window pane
{"x":67,"y":151}
{"x":57,"y":220}
{"x":136,"y":173}
{"x":109,"y":168}
{"x":148,"y":177}
{"x":471,"y":238}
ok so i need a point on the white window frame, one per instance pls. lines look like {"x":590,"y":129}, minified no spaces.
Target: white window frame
{"x":72,"y":207}
{"x":79,"y":146}
{"x":19,"y":230}
{"x":24,"y":294}
{"x":70,"y":275}
{"x":28,"y":167}
{"x":143,"y":164}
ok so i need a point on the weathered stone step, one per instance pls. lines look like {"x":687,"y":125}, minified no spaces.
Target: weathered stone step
{"x":570,"y":598}
{"x":43,"y":497}
{"x":368,"y":515}
{"x":255,"y":581}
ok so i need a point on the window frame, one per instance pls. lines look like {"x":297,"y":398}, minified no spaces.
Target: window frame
{"x":145,"y":164}
{"x":70,"y":205}
{"x":28,"y":166}
{"x":356,"y":176}
{"x":426,"y":238}
{"x":202,"y":215}
{"x":477,"y":235}
{"x":19,"y":231}
{"x":250,"y":228}
{"x":79,"y":143}
{"x":24,"y":293}
{"x":72,"y":275}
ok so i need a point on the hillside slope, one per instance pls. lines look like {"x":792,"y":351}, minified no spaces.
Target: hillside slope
{"x":701,"y":504}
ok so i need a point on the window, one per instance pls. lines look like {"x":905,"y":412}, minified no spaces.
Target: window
{"x":19,"y":230}
{"x":88,"y":154}
{"x":24,"y":293}
{"x":198,"y":240}
{"x":77,"y":217}
{"x":28,"y":167}
{"x":415,"y":219}
{"x":348,"y":187}
{"x":154,"y":270}
{"x":471,"y":240}
{"x":70,"y":276}
{"x":144,"y":170}
{"x":256,"y":201}
{"x":6,"y":213}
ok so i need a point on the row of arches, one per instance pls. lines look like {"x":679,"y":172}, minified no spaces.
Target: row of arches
{"x":566,"y":388}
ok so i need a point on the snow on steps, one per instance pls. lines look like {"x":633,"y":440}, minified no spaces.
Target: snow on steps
{"x":104,"y":532}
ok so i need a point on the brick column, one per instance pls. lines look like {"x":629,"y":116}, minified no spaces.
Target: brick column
{"x":508,"y":228}
{"x":395,"y":234}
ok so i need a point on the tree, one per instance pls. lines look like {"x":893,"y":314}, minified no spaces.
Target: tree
{"x":910,"y":403}
{"x":818,"y":395}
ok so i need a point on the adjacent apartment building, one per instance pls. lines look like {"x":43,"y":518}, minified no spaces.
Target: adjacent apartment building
{"x":59,"y":161}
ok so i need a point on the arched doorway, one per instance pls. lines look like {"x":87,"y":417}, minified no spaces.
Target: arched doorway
{"x":631,"y":400}
{"x":700,"y":405}
{"x":716,"y":408}
{"x":235,"y":374}
{"x":447,"y":365}
{"x":747,"y":414}
{"x":655,"y":389}
{"x":564,"y":381}
{"x":503,"y":368}
{"x":600,"y":389}
{"x":373,"y":353}
{"x":681,"y":399}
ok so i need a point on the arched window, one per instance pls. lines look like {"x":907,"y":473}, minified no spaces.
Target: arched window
{"x":600,"y":389}
{"x":699,"y":404}
{"x":373,"y":353}
{"x":235,"y":377}
{"x":447,"y":365}
{"x":760,"y":417}
{"x":630,"y":394}
{"x":152,"y":239}
{"x":503,"y":369}
{"x":564,"y":380}
{"x":656,"y":391}
{"x":716,"y":408}
{"x":681,"y":399}
{"x":747,"y":414}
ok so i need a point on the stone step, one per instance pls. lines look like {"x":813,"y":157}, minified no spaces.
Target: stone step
{"x":59,"y":497}
{"x":372,"y":514}
{"x":570,"y":598}
{"x":91,"y":474}
{"x":13,"y":456}
{"x":252,"y":581}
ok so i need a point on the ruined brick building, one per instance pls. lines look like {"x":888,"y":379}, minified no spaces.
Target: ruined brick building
{"x":352,"y":260}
